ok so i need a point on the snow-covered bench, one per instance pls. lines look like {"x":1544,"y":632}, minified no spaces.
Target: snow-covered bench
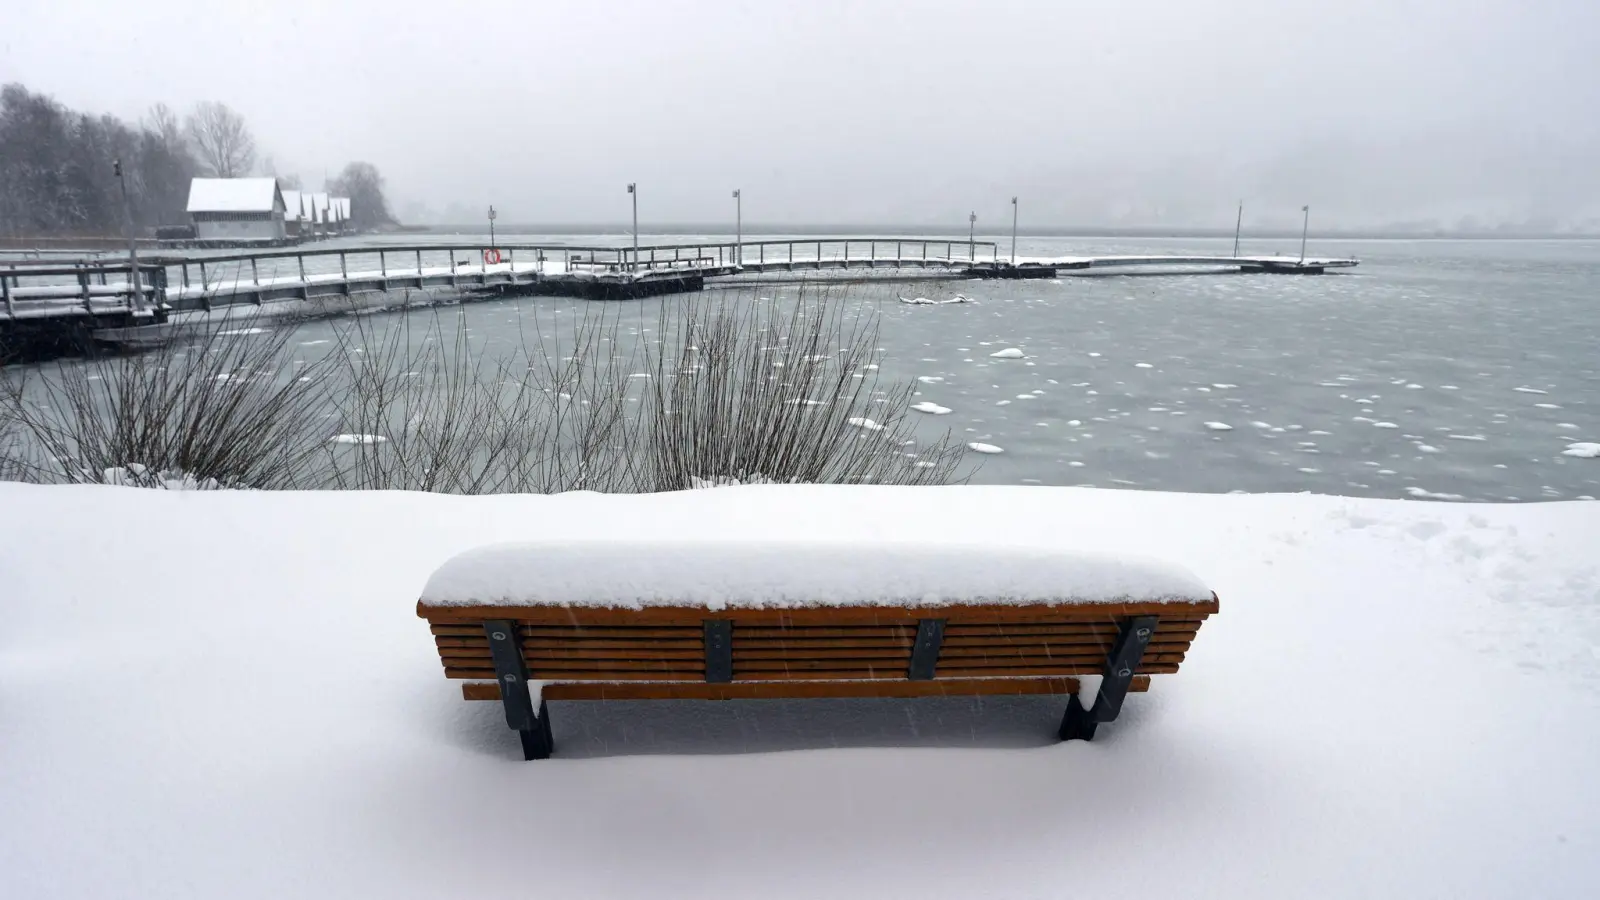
{"x":620,"y":620}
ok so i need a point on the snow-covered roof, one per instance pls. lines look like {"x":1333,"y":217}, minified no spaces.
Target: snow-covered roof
{"x":787,"y":574}
{"x":316,"y":206}
{"x":232,"y":194}
{"x":291,"y":205}
{"x":341,"y":208}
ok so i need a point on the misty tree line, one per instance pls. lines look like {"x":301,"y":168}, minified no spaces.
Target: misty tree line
{"x":57,"y":175}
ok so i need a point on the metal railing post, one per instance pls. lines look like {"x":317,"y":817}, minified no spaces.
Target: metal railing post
{"x":5,"y":288}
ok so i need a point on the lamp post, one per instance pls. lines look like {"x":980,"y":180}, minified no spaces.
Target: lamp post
{"x":1237,"y":224}
{"x":1305,"y":225}
{"x":1013,"y":231}
{"x":633,"y":191}
{"x":491,"y":226}
{"x":972,"y":236}
{"x":738,"y":229}
{"x":133,"y":241}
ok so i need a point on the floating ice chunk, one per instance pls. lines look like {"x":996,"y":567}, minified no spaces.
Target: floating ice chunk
{"x":1094,"y":354}
{"x":1075,"y":464}
{"x":1529,"y":390}
{"x":980,"y":447}
{"x":312,"y":343}
{"x":1307,"y":470}
{"x":1008,"y":353}
{"x":932,"y":409}
{"x":804,"y":402}
{"x":1026,"y":397}
{"x":1583,"y":450}
{"x":1224,"y":387}
{"x":357,"y":439}
{"x":1074,"y":422}
{"x":1414,"y":386}
{"x":1384,"y":425}
{"x":1547,"y":406}
{"x":1448,"y":387}
{"x":916,"y":301}
{"x":864,"y":423}
{"x":1143,"y":366}
{"x":1219,"y":426}
{"x":1425,"y":494}
{"x":1260,"y":425}
{"x":1567,"y":425}
{"x":640,"y":375}
{"x":1428,"y":448}
{"x":1002,"y":403}
{"x":1466,"y":437}
{"x":930,"y":379}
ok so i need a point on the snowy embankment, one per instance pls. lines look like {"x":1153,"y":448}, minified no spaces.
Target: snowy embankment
{"x":229,"y":695}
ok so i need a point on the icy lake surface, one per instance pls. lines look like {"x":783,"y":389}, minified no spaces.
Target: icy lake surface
{"x":1436,"y":369}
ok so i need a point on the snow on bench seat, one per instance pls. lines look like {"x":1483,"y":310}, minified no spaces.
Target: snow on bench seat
{"x":797,"y":575}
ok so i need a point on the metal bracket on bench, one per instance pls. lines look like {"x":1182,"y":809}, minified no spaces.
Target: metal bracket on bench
{"x":512,"y":673}
{"x":719,"y":650}
{"x":1133,"y":638}
{"x":925,"y":652}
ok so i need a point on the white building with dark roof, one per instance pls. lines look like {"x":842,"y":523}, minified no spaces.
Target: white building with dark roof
{"x":236,"y":210}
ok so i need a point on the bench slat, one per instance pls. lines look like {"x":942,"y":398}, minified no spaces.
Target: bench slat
{"x":798,"y":689}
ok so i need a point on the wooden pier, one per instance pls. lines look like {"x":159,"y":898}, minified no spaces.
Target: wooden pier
{"x":69,"y":300}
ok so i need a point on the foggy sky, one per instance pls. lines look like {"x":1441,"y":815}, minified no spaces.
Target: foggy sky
{"x":1159,"y":112}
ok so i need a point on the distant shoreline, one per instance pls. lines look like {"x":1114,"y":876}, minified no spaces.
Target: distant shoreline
{"x":881,"y":230}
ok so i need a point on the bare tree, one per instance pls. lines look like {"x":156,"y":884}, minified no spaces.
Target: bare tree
{"x":221,"y":140}
{"x":361,"y":182}
{"x":164,"y":124}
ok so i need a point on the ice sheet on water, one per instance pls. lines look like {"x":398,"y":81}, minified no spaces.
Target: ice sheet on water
{"x":1219,"y":426}
{"x":932,"y":409}
{"x":980,"y":447}
{"x":1007,"y":353}
{"x":863,"y":423}
{"x":1583,"y":450}
{"x":1529,"y":390}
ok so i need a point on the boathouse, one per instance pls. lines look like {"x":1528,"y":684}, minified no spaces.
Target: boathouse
{"x":236,"y":210}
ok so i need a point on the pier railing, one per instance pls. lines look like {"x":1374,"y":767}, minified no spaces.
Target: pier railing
{"x":198,"y":278}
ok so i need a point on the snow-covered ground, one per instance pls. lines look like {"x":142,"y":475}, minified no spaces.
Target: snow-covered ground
{"x":208,"y":694}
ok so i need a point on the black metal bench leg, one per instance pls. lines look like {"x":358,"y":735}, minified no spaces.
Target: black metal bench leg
{"x":1122,"y":662}
{"x":537,"y":742}
{"x":512,"y":673}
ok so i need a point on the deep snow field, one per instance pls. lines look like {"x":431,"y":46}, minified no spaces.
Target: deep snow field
{"x":217,"y":694}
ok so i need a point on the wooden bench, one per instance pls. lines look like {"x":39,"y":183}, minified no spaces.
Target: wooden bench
{"x":525,"y":624}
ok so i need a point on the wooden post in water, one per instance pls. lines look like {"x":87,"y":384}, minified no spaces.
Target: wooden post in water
{"x":5,"y":288}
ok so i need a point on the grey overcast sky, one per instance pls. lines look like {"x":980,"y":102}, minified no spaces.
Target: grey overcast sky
{"x":1161,"y":112}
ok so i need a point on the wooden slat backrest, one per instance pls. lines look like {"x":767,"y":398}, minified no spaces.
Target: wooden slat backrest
{"x":812,"y":644}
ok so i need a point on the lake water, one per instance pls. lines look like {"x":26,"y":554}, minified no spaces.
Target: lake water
{"x":1436,"y":369}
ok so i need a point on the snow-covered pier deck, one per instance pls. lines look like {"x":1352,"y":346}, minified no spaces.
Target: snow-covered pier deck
{"x":87,"y":294}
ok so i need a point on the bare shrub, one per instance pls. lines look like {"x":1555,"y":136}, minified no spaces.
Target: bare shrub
{"x":231,"y":405}
{"x":761,"y":389}
{"x":550,"y":415}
